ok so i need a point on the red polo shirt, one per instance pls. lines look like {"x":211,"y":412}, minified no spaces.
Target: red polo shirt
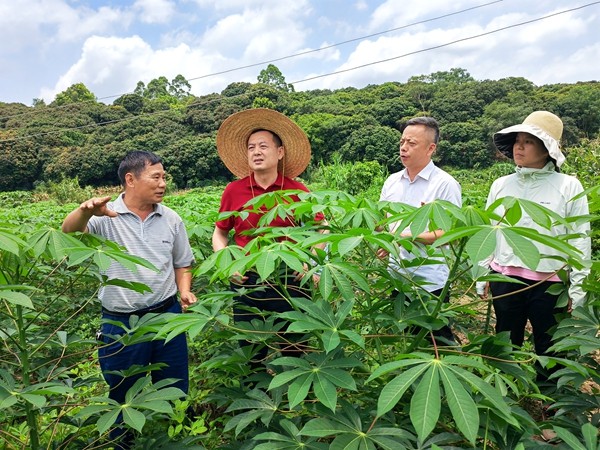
{"x":235,"y":196}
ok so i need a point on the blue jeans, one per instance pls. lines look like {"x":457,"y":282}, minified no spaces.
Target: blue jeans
{"x":114,"y":356}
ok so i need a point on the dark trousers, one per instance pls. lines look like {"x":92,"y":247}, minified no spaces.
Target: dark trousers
{"x":519,"y":303}
{"x":269,"y":298}
{"x":443,"y":336}
{"x":114,"y":356}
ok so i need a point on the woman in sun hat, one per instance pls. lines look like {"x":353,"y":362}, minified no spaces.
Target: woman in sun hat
{"x":534,"y":145}
{"x":265,"y":150}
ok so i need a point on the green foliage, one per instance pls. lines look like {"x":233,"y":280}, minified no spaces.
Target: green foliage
{"x":64,"y":191}
{"x":366,"y":379}
{"x":273,"y":77}
{"x":463,"y":144}
{"x":51,"y":392}
{"x":373,"y":143}
{"x":361,"y":178}
{"x":84,"y":138}
{"x":73,"y":94}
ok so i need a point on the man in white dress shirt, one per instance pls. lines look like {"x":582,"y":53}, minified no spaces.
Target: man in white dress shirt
{"x":421,"y":182}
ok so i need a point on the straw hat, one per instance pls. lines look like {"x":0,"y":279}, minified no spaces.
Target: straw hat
{"x":233,"y":134}
{"x":542,"y":124}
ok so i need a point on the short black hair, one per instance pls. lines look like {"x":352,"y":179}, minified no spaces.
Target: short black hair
{"x":135,"y":162}
{"x":428,"y":122}
{"x":276,"y":138}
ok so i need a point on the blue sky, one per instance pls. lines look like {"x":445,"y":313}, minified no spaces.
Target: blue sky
{"x":48,"y":45}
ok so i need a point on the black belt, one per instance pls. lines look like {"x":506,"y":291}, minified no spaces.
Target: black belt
{"x":156,"y":308}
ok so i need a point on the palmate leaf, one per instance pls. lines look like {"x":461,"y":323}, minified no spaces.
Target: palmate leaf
{"x":425,"y":405}
{"x":395,"y":389}
{"x":260,"y":407}
{"x":16,"y":298}
{"x":349,"y":432}
{"x":323,"y":427}
{"x":352,"y":442}
{"x":319,"y":315}
{"x":134,"y":418}
{"x":523,"y":248}
{"x":482,"y":244}
{"x":54,"y":241}
{"x":10,"y":242}
{"x":107,"y":420}
{"x":338,"y":276}
{"x":325,"y":391}
{"x":490,"y":392}
{"x":323,"y":372}
{"x":265,"y":263}
{"x":463,"y":408}
{"x":570,"y":439}
{"x":333,"y":276}
{"x":348,"y":244}
{"x":298,"y":389}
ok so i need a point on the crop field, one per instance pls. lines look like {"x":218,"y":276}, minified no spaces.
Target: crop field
{"x":370,"y":378}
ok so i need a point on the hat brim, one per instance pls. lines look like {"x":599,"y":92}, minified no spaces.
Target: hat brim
{"x":233,"y":134}
{"x":504,"y":141}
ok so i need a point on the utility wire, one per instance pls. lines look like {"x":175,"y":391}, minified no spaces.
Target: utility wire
{"x":307,"y":52}
{"x":200,"y":103}
{"x":445,"y":44}
{"x":294,"y":55}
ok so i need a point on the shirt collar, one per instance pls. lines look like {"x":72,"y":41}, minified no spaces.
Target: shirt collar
{"x":120,"y":207}
{"x":278,"y":181}
{"x":425,"y":172}
{"x":531,"y":171}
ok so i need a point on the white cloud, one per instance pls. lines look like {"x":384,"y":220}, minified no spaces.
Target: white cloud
{"x":56,"y":43}
{"x":155,"y":11}
{"x":518,"y":51}
{"x":112,"y":66}
{"x":259,"y":33}
{"x":361,"y":5}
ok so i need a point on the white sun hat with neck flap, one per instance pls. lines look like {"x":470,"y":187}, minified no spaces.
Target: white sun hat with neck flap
{"x":542,"y":124}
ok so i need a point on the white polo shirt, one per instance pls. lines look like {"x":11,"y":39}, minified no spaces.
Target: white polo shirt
{"x":432,"y":183}
{"x":160,"y":239}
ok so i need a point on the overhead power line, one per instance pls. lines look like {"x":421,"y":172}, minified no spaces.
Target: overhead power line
{"x":435,"y":47}
{"x":293,"y":55}
{"x":199,"y":103}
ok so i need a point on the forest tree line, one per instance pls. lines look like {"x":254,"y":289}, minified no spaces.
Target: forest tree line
{"x":77,"y":136}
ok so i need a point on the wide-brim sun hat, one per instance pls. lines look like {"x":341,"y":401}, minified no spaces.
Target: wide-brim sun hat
{"x":233,"y":134}
{"x":542,"y":124}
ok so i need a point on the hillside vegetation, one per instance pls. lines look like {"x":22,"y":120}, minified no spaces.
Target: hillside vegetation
{"x":77,"y":136}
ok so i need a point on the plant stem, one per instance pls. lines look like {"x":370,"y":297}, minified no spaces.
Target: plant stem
{"x":24,"y":357}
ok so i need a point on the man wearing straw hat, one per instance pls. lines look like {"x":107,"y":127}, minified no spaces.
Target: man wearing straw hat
{"x":265,"y":150}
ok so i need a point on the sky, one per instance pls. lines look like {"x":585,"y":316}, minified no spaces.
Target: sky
{"x":48,"y":45}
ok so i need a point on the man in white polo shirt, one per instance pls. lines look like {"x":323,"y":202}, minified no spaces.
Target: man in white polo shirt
{"x":421,"y":182}
{"x":137,"y":221}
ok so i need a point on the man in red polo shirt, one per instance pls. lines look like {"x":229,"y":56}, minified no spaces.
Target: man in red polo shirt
{"x":266,"y":151}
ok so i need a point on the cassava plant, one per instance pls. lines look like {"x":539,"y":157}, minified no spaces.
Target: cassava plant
{"x":50,"y":390}
{"x":371,"y":376}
